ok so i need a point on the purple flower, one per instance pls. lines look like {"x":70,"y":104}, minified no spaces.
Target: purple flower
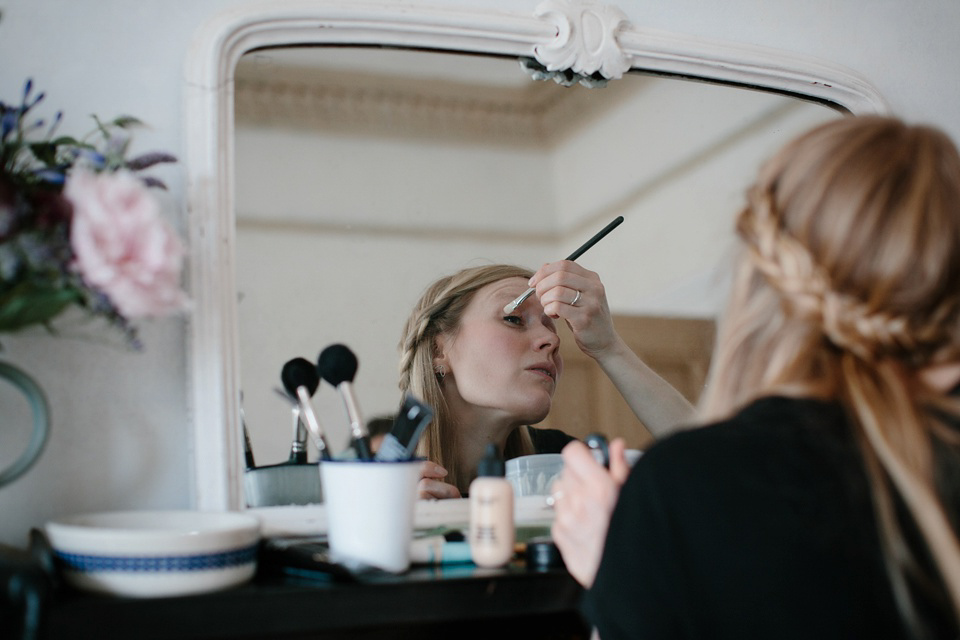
{"x":53,"y":176}
{"x":8,"y":120}
{"x":90,"y":158}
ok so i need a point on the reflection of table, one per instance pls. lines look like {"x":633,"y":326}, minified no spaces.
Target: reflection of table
{"x":310,"y":520}
{"x":459,"y":601}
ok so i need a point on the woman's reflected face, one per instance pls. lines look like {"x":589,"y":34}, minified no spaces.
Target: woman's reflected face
{"x":506,"y":365}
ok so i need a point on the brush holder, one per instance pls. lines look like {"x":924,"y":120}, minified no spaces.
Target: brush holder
{"x":370,"y":507}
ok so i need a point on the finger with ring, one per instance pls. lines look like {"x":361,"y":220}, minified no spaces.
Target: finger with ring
{"x":576,"y":299}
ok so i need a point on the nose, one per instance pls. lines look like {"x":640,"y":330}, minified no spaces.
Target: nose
{"x":547,"y":340}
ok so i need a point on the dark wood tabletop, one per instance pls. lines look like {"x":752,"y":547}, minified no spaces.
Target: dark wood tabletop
{"x":457,"y":600}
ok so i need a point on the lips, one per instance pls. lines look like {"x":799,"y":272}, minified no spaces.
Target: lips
{"x":545,"y":368}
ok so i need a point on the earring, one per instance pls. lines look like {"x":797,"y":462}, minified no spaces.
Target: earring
{"x":439,"y":371}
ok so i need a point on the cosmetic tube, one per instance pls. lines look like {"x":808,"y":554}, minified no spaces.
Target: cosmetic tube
{"x":436,"y":550}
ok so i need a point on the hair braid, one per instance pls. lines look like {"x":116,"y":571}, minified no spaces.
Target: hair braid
{"x":848,"y":323}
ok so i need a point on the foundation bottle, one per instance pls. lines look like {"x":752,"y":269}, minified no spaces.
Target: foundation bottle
{"x":491,"y":513}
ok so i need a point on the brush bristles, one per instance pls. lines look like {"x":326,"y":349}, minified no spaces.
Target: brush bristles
{"x":337,"y":364}
{"x":299,"y":372}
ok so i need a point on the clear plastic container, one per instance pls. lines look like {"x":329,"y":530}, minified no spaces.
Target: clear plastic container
{"x":532,"y":475}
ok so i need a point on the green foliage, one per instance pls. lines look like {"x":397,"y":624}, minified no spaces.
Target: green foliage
{"x":30,"y":303}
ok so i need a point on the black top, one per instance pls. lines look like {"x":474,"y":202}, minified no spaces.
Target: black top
{"x":549,"y":440}
{"x":757,"y":527}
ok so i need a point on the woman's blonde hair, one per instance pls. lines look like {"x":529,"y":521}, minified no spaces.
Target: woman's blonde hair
{"x":847,"y":286}
{"x":438,"y":312}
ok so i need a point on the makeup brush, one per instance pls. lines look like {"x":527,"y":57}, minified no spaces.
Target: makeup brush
{"x":600,"y":448}
{"x":298,"y":448}
{"x":247,"y":446}
{"x":511,"y":307}
{"x":408,"y":426}
{"x":337,"y":365}
{"x":301,"y":380}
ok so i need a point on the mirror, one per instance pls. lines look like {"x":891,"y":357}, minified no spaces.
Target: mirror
{"x":363,"y":174}
{"x":584,"y":37}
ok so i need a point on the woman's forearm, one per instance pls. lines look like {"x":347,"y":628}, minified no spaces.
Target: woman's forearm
{"x":652,"y":399}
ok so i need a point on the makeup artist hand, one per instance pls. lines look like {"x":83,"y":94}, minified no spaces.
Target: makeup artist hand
{"x":584,"y":497}
{"x":652,"y":399}
{"x":431,"y":485}
{"x":558,"y":286}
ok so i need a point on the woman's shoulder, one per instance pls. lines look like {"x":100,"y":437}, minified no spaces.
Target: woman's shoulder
{"x":779,"y":457}
{"x":770,"y":418}
{"x":772,"y":433}
{"x":549,"y":440}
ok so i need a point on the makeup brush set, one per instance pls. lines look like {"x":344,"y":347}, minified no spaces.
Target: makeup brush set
{"x":297,"y":481}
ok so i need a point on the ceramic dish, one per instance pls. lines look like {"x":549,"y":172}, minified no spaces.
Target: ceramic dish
{"x":155,"y":553}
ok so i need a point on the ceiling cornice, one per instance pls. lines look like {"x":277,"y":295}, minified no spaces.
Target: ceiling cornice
{"x":537,"y":114}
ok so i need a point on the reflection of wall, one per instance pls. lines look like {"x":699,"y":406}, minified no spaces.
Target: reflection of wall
{"x":319,"y":288}
{"x":340,"y":232}
{"x":674,"y":162}
{"x":330,"y":180}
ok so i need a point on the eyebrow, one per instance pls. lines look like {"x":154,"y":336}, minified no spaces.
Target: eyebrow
{"x":504,"y":295}
{"x":519,"y":309}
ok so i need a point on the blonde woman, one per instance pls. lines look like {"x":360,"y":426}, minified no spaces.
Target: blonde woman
{"x":489,"y":375}
{"x":824,"y":499}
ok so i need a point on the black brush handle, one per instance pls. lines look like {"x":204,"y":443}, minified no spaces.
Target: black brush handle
{"x":362,"y":446}
{"x":597,"y":237}
{"x":598,"y":442}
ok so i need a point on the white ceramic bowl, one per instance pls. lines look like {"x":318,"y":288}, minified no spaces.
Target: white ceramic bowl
{"x":155,"y":553}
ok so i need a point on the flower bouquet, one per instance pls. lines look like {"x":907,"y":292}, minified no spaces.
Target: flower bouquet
{"x":79,"y":226}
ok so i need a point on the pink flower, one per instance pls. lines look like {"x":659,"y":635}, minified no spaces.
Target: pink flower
{"x":123,"y":247}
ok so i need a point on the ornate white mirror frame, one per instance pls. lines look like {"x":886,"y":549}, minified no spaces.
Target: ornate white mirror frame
{"x":584,"y":37}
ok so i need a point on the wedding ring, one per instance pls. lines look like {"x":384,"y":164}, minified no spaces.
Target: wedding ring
{"x":576,"y":300}
{"x":553,"y":498}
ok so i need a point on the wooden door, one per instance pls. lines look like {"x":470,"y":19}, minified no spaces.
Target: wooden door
{"x":679,"y":349}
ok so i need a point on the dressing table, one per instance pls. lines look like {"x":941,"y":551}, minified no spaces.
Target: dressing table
{"x":454,"y":600}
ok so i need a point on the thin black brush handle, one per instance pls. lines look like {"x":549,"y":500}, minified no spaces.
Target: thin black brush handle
{"x":598,"y":236}
{"x":361,"y":445}
{"x":248,"y":450}
{"x":598,"y":442}
{"x":247,"y":447}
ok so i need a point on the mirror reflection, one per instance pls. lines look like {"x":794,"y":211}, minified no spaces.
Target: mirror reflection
{"x":365,"y":174}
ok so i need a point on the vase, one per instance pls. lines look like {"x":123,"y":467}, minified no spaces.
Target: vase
{"x":41,"y":421}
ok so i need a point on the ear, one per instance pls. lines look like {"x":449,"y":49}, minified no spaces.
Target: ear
{"x":439,"y":351}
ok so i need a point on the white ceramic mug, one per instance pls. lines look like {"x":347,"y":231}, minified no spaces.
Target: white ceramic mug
{"x":370,"y":508}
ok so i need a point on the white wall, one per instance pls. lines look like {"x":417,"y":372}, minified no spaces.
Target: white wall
{"x":121,"y":420}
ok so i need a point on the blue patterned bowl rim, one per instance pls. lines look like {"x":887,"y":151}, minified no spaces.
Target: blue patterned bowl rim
{"x":86,"y":563}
